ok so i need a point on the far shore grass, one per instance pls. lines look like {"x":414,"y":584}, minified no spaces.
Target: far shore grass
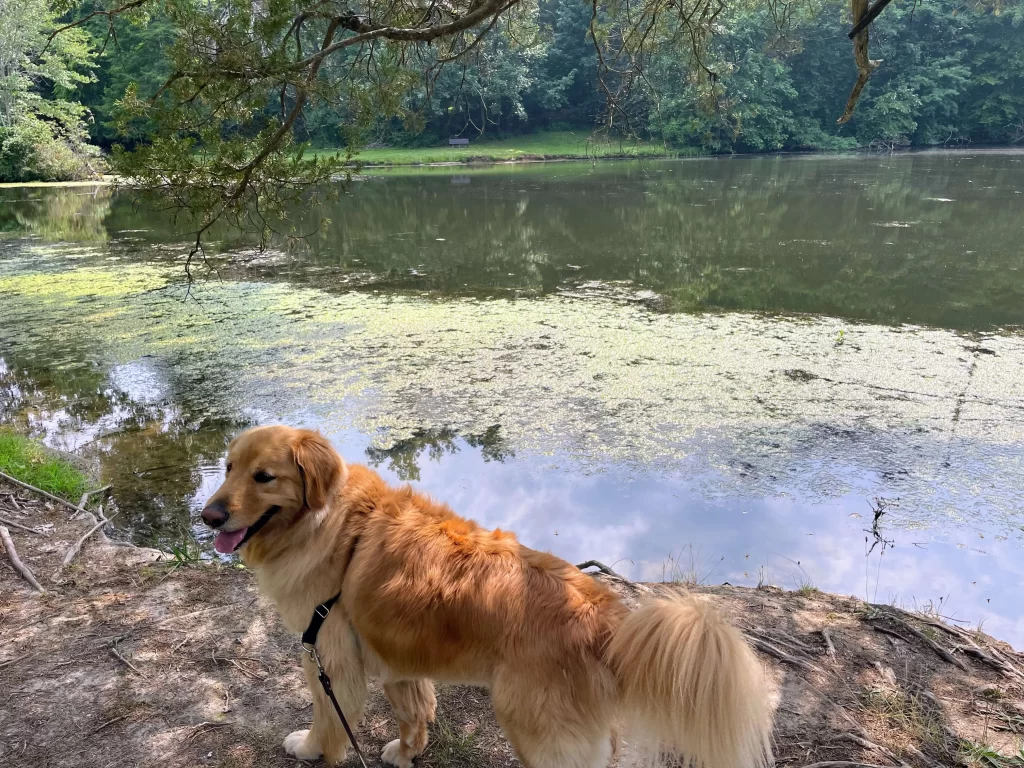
{"x":550,"y":145}
{"x":25,"y":459}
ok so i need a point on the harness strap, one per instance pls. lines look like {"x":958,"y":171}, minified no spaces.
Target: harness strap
{"x":320,"y":614}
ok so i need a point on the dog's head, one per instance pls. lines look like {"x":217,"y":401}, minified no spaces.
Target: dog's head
{"x":274,"y":475}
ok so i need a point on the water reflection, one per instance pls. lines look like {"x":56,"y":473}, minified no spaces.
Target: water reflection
{"x":404,"y":456}
{"x":515,"y":346}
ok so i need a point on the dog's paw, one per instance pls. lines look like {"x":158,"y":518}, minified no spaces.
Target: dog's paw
{"x":297,"y":744}
{"x":394,"y":753}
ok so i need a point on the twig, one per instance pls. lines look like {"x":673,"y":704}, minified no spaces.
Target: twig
{"x":16,"y":658}
{"x":41,"y":492}
{"x":771,"y":650}
{"x":77,"y":546}
{"x":842,"y":764}
{"x":125,"y":661}
{"x":602,"y":568}
{"x":828,"y":642}
{"x":860,"y":740}
{"x":36,"y":531}
{"x":19,"y":566}
{"x":109,"y":722}
{"x":190,"y":615}
{"x":202,"y":727}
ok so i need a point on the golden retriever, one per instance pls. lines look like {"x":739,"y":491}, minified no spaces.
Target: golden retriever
{"x":427,"y":595}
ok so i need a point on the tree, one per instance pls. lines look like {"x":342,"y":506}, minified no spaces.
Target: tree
{"x":248,"y":81}
{"x":42,"y":130}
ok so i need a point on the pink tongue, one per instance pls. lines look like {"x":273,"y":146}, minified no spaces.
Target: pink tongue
{"x":226,"y":541}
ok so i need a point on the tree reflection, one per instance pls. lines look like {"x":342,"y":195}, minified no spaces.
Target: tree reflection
{"x":403,"y":457}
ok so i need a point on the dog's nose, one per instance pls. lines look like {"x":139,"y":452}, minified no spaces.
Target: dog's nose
{"x":215,"y":514}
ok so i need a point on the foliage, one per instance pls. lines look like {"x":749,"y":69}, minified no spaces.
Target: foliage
{"x":42,"y":129}
{"x":29,"y":462}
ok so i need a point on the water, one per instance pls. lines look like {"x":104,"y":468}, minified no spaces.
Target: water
{"x":708,"y":367}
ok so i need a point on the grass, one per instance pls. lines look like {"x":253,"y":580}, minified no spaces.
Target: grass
{"x":28,"y":461}
{"x":452,"y":746}
{"x":689,"y":572}
{"x":537,"y":146}
{"x":984,"y":756}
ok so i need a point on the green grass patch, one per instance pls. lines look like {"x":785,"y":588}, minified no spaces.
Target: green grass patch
{"x":549,"y":145}
{"x":28,"y":461}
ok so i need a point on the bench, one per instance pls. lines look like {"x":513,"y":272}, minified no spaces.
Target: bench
{"x":458,"y":142}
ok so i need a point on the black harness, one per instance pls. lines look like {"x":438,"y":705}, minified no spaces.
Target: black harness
{"x":320,"y":614}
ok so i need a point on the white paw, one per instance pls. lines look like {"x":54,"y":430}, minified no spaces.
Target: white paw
{"x":392,"y":755}
{"x":297,"y":743}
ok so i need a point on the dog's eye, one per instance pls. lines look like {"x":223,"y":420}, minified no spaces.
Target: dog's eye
{"x":262,"y":477}
{"x":228,"y":468}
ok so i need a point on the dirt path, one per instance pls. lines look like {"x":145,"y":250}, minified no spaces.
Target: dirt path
{"x":131,"y":661}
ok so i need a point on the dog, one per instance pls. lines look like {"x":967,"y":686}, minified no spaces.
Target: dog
{"x":426,"y":595}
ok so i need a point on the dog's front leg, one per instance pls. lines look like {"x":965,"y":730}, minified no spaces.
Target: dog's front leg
{"x":344,"y":666}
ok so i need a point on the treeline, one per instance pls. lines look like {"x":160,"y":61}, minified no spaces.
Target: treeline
{"x":952,"y":73}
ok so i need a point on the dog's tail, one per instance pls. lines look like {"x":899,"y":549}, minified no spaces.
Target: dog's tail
{"x":690,"y":688}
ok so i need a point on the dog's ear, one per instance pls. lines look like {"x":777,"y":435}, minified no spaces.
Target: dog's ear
{"x":322,"y":468}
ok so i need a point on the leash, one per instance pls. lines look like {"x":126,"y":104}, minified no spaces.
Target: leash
{"x":320,"y":613}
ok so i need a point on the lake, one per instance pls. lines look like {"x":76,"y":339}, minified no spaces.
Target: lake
{"x":710,"y":370}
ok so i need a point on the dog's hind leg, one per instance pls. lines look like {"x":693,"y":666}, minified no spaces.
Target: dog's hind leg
{"x":414,"y":705}
{"x":344,"y":666}
{"x":563,"y":724}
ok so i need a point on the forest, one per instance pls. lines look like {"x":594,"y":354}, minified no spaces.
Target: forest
{"x":765,"y":77}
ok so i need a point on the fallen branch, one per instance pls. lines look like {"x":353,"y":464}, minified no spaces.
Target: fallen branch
{"x":889,"y":632}
{"x":20,"y":567}
{"x":41,"y":492}
{"x":783,"y":641}
{"x":602,"y":568}
{"x":939,"y":650}
{"x":127,"y":663}
{"x":967,"y":645}
{"x":36,"y":531}
{"x":77,"y":546}
{"x":828,"y":642}
{"x":771,"y":650}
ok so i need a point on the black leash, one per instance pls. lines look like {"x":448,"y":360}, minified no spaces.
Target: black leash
{"x":320,"y":613}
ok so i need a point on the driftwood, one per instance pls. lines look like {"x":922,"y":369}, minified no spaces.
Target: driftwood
{"x":19,"y":566}
{"x":77,"y":546}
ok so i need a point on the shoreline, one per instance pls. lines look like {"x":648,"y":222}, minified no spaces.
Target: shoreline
{"x":527,"y":159}
{"x":152,"y":658}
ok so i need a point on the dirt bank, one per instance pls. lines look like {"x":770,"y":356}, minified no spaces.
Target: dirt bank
{"x":133,"y":659}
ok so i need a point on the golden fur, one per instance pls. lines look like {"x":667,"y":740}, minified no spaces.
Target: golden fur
{"x":427,"y":595}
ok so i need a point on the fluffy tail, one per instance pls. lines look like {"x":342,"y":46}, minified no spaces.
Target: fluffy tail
{"x":691,"y":690}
